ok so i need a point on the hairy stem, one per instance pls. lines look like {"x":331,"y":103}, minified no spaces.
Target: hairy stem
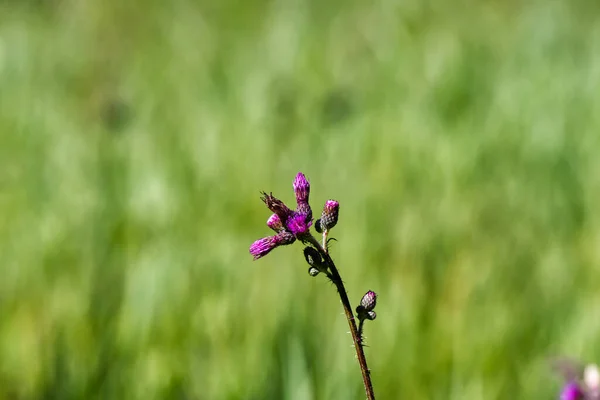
{"x":339,"y":284}
{"x":360,"y":330}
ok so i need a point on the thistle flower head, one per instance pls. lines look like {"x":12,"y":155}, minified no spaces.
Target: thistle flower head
{"x":298,"y":224}
{"x":264,"y":246}
{"x":289,"y":225}
{"x":571,"y":391}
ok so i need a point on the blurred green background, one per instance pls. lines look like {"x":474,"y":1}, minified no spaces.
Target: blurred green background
{"x":461,"y":139}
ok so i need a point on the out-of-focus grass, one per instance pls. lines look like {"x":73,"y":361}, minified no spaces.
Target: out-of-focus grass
{"x":461,"y":140}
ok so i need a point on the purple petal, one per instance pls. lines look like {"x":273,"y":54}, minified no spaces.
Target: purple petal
{"x":274,"y":222}
{"x":264,"y":246}
{"x":298,"y":224}
{"x":571,"y":391}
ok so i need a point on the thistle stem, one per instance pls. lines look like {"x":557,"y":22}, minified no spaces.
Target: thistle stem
{"x":339,"y":284}
{"x":360,"y":330}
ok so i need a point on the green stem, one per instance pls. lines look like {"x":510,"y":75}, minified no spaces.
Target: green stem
{"x":339,"y":284}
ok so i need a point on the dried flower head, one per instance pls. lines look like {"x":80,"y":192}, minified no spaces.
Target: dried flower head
{"x":277,"y":206}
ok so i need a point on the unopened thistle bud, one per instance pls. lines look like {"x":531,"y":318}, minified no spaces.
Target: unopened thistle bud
{"x":274,"y":222}
{"x":369,"y":300}
{"x":314,"y":259}
{"x":329,"y":216}
{"x":366,"y":306}
{"x":302,"y":192}
{"x":318,"y":226}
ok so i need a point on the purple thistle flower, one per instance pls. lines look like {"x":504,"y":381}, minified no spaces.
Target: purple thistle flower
{"x":302,"y":191}
{"x":275,"y":223}
{"x":571,"y":391}
{"x":264,"y":246}
{"x":298,"y":224}
{"x":289,"y":225}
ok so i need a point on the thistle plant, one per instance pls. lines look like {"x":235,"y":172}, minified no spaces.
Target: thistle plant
{"x":581,"y":382}
{"x":294,"y":225}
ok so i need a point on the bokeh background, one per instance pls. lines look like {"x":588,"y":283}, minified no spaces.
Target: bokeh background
{"x":461,"y":139}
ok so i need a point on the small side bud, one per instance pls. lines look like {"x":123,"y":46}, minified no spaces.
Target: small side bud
{"x":314,"y":259}
{"x":312,"y":256}
{"x":366,"y":306}
{"x":369,"y":300}
{"x":329,"y":216}
{"x":318,"y":226}
{"x":312,"y":271}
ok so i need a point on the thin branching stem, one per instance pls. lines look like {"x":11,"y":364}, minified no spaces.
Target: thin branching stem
{"x":360,"y":331}
{"x":339,"y":284}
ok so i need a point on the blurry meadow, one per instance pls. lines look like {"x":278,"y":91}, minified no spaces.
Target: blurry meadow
{"x":460,"y":138}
